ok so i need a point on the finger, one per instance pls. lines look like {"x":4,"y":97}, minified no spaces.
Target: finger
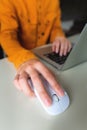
{"x":23,"y":81}
{"x":62,"y":48}
{"x":60,"y":45}
{"x":16,"y":82}
{"x":39,"y":87}
{"x":70,"y":46}
{"x":56,"y":46}
{"x":53,"y":47}
{"x":65,"y":48}
{"x":50,"y":78}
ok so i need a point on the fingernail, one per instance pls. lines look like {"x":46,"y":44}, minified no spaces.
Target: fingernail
{"x":48,"y":102}
{"x":61,"y":92}
{"x":56,"y":51}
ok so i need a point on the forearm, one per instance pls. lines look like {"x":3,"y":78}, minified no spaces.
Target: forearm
{"x":12,"y":47}
{"x":9,"y":28}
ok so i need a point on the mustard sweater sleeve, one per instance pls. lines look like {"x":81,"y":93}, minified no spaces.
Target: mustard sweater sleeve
{"x":8,"y":35}
{"x":57,"y":27}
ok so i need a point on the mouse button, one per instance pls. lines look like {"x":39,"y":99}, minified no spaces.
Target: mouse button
{"x":55,"y":98}
{"x":61,"y":97}
{"x":64,"y":102}
{"x":54,"y":109}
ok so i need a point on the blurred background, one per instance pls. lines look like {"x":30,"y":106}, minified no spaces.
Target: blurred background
{"x":74,"y":15}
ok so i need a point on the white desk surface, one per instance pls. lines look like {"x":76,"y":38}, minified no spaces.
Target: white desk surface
{"x":18,"y":112}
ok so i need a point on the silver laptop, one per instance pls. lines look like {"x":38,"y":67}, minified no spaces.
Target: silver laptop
{"x":77,"y":55}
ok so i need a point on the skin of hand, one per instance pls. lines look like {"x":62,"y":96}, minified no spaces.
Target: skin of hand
{"x":61,"y":45}
{"x":32,"y":69}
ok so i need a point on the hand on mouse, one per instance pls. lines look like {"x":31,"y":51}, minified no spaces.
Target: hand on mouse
{"x":61,"y":45}
{"x":32,"y":69}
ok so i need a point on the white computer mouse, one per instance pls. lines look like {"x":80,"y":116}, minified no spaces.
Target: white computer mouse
{"x":59,"y":104}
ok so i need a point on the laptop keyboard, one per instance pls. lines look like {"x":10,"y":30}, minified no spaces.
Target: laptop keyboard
{"x":56,"y":57}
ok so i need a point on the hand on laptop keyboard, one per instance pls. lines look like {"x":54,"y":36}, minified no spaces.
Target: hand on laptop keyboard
{"x":61,"y":45}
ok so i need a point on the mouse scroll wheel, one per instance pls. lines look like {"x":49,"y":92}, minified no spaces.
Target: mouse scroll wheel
{"x":55,"y":98}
